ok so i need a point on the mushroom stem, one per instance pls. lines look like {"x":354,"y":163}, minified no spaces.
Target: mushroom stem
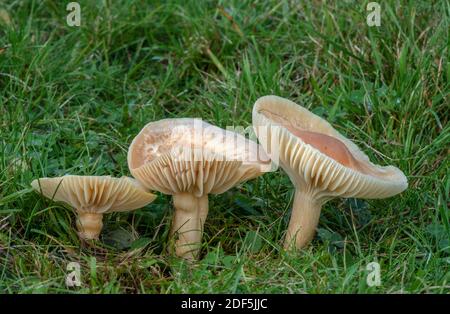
{"x":304,"y":220}
{"x":189,"y":218}
{"x":89,"y":225}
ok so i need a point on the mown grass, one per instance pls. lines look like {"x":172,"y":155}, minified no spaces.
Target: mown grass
{"x":72,"y":98}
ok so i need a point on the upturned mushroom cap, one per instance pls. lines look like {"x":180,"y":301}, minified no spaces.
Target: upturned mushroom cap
{"x":93,"y":196}
{"x":317,"y":157}
{"x":187,"y":155}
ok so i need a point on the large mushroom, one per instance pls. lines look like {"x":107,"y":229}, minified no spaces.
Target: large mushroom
{"x":321,"y":163}
{"x":93,"y":196}
{"x":189,"y":159}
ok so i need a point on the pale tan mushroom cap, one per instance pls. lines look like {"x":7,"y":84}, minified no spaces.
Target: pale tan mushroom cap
{"x":95,"y":194}
{"x":189,"y":155}
{"x":275,"y":121}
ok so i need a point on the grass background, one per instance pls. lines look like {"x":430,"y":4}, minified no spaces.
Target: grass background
{"x":72,"y":99}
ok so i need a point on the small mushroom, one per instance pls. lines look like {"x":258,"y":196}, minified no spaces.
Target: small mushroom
{"x":189,"y":159}
{"x":93,"y":196}
{"x":321,"y":163}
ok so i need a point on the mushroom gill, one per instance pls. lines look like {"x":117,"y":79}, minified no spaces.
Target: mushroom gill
{"x":93,"y":196}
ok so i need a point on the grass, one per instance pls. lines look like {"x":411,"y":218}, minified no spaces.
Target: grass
{"x":72,"y":99}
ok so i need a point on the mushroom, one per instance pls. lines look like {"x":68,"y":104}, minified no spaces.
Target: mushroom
{"x":321,"y":163}
{"x":93,"y":196}
{"x":189,"y":159}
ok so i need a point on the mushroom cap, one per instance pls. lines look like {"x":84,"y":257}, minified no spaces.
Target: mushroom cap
{"x":189,"y":155}
{"x":95,"y":194}
{"x":317,"y":157}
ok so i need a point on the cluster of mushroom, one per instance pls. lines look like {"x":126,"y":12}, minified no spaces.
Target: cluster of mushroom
{"x":190,"y":159}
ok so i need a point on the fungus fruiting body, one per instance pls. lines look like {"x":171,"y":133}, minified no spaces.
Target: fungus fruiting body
{"x":93,"y":196}
{"x":321,"y":163}
{"x":189,"y":159}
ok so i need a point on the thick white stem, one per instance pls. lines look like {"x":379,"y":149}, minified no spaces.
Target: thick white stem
{"x":304,"y":220}
{"x":189,"y":218}
{"x":89,"y":225}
